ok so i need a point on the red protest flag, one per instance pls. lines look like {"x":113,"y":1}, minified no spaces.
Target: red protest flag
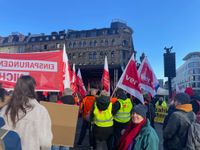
{"x":106,"y":78}
{"x":73,"y":84}
{"x":67,"y":70}
{"x":80,"y":84}
{"x":130,"y":81}
{"x":148,"y":79}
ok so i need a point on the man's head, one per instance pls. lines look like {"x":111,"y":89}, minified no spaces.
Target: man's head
{"x":181,"y":98}
{"x":67,"y":91}
{"x":93,"y":91}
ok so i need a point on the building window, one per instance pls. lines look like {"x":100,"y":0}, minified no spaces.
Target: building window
{"x":33,"y":39}
{"x":47,"y":38}
{"x":124,"y":55}
{"x":101,"y":55}
{"x":113,"y":41}
{"x":53,"y":37}
{"x":62,"y":37}
{"x":106,"y":42}
{"x":74,"y":44}
{"x":80,"y":44}
{"x":45,"y":46}
{"x":79,"y":55}
{"x":95,"y":43}
{"x":84,"y":43}
{"x":94,"y":55}
{"x":90,"y":55}
{"x":41,"y":39}
{"x":57,"y":45}
{"x":112,"y":54}
{"x":70,"y":45}
{"x":125,"y":43}
{"x":74,"y":56}
{"x":102,"y":42}
{"x":70,"y":56}
{"x":90,"y":43}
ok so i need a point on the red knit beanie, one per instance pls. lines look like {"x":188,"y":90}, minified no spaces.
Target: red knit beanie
{"x":189,"y":91}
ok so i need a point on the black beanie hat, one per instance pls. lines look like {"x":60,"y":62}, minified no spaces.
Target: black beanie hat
{"x":140,"y":110}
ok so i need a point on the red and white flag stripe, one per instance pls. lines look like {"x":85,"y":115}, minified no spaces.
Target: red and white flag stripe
{"x":130,"y":81}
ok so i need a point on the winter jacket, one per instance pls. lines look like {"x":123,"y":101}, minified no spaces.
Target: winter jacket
{"x":147,"y":139}
{"x":34,"y":128}
{"x":175,"y":132}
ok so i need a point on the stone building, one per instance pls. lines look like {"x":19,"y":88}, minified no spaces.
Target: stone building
{"x":85,"y":48}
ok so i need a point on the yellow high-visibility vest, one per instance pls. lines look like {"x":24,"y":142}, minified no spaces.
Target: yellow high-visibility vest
{"x":123,"y":115}
{"x":103,"y":118}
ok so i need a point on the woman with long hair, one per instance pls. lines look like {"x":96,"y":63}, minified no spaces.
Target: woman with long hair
{"x":27,"y":117}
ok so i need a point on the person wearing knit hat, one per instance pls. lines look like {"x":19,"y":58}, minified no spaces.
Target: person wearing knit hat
{"x":189,"y":91}
{"x":175,"y":133}
{"x":139,"y":127}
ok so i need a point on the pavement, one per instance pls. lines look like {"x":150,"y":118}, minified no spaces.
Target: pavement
{"x":85,"y":144}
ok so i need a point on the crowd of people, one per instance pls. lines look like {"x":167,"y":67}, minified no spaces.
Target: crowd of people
{"x":121,"y":122}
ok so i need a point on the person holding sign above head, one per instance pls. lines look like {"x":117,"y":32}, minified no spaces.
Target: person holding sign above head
{"x":24,"y":115}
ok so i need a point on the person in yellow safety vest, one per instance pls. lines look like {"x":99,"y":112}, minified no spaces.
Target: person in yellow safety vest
{"x":161,"y":110}
{"x":103,"y":120}
{"x":122,"y":114}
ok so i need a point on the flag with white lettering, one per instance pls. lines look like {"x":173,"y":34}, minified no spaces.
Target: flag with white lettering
{"x":148,"y":79}
{"x":129,"y":80}
{"x":106,"y":77}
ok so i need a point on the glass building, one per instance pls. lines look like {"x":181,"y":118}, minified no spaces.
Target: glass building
{"x":188,"y":74}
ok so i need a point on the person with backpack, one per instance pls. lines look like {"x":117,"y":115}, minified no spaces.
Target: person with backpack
{"x":176,"y":131}
{"x":195,"y":101}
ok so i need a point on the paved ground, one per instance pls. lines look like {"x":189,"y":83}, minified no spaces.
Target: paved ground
{"x":86,"y":140}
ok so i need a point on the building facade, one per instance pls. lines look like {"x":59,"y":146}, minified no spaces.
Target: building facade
{"x":85,"y":48}
{"x":188,"y":74}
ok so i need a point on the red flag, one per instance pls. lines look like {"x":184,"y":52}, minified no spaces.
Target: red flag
{"x":73,"y":81}
{"x":106,"y":78}
{"x":80,"y":84}
{"x":129,"y":80}
{"x":147,"y":77}
{"x":67,"y":70}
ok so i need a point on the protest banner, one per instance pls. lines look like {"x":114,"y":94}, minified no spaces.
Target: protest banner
{"x":45,"y":67}
{"x":64,"y":120}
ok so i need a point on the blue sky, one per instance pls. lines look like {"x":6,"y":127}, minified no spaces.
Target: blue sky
{"x":156,"y":23}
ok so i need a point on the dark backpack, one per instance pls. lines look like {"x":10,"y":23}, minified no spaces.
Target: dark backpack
{"x":198,"y":113}
{"x":193,"y":139}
